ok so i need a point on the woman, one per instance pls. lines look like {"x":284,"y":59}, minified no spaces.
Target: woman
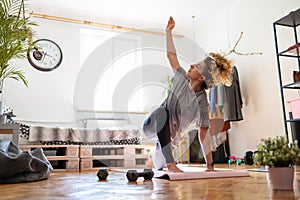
{"x":186,"y":104}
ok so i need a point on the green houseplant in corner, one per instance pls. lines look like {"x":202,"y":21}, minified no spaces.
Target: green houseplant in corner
{"x":15,"y":38}
{"x":279,"y":156}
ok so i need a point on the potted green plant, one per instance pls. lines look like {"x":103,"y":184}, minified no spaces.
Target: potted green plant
{"x":168,"y":87}
{"x":279,"y":156}
{"x":15,"y":38}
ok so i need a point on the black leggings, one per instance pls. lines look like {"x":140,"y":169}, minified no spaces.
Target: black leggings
{"x":158,"y":124}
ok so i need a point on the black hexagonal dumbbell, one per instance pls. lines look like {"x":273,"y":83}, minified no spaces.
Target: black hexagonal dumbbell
{"x":248,"y":158}
{"x":102,"y":174}
{"x":133,"y":175}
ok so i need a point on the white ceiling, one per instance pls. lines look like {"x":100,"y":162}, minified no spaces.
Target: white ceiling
{"x":137,"y":13}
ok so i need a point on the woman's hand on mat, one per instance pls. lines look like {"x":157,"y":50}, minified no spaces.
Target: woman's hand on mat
{"x":171,"y":24}
{"x":210,"y":167}
{"x":210,"y":170}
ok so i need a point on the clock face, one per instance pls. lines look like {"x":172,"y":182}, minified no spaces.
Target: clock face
{"x":45,"y":55}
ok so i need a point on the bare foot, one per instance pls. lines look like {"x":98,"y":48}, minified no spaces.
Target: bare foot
{"x":149,"y":163}
{"x":173,"y":168}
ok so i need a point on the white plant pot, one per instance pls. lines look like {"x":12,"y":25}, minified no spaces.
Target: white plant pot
{"x":1,"y":103}
{"x":281,"y":178}
{"x":2,"y":119}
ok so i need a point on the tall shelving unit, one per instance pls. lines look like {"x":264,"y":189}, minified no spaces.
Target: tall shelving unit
{"x":292,"y":20}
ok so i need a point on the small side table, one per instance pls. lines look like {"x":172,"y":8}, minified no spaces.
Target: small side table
{"x":11,"y":129}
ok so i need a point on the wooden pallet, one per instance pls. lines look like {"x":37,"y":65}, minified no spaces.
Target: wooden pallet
{"x":114,"y":156}
{"x":62,"y":157}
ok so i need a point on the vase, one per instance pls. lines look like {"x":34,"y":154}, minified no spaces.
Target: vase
{"x":1,"y":103}
{"x":281,"y":178}
{"x":2,"y":115}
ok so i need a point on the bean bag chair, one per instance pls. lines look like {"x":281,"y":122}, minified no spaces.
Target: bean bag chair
{"x":18,"y":166}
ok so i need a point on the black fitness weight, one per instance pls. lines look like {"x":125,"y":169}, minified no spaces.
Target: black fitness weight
{"x":133,"y":175}
{"x":102,"y":174}
{"x":254,"y":155}
{"x":148,"y":174}
{"x":248,"y":158}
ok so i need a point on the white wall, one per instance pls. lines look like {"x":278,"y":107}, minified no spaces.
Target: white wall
{"x":216,"y":26}
{"x":49,"y":96}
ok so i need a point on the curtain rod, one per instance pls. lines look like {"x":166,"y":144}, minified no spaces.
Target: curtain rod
{"x":103,"y":25}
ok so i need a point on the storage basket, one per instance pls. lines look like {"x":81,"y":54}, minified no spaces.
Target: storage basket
{"x":295,"y":106}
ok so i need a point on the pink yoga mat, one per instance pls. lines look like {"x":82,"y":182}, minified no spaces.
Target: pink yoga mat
{"x":199,"y":175}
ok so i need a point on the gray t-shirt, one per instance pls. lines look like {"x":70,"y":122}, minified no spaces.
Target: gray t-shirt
{"x":185,"y":106}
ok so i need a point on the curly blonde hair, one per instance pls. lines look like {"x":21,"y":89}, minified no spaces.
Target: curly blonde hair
{"x":220,"y":68}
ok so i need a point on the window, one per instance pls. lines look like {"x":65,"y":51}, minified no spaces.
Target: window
{"x":125,"y":57}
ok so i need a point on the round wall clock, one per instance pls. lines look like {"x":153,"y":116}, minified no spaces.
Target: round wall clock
{"x":45,"y":55}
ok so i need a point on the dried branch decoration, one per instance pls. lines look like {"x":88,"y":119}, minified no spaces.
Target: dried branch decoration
{"x":238,"y":53}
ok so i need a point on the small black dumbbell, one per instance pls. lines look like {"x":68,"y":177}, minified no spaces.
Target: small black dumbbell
{"x":248,"y":158}
{"x":102,"y":174}
{"x":132,"y":175}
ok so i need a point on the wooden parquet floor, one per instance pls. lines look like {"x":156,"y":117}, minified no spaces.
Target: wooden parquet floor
{"x":64,"y":185}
